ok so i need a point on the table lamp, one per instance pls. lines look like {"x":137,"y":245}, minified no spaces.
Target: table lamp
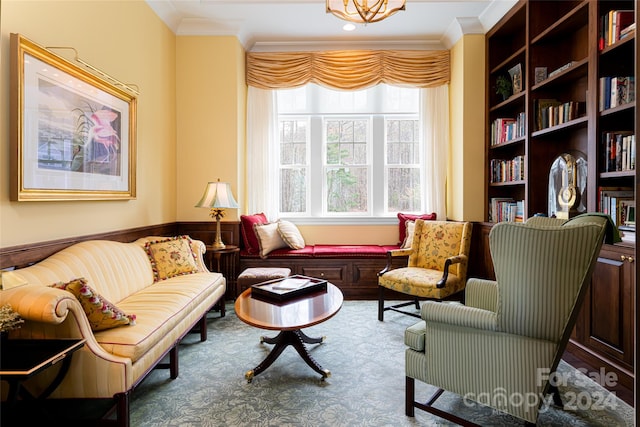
{"x":218,"y":197}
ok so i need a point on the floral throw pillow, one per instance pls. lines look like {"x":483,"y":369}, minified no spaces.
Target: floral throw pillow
{"x":101,"y":313}
{"x":171,"y":257}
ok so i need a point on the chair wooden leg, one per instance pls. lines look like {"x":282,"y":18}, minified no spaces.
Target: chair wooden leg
{"x":428,"y":407}
{"x":417,"y":303}
{"x":410,"y":391}
{"x":557,"y":399}
{"x":381,"y":303}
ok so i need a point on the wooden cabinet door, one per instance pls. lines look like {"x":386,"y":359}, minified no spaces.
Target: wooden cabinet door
{"x":607,"y":312}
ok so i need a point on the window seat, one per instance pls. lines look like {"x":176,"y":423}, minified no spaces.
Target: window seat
{"x":353,"y":268}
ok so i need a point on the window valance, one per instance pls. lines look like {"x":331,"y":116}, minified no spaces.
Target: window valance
{"x":348,"y":69}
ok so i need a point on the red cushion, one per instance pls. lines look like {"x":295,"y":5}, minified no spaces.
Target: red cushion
{"x":249,"y":237}
{"x":403,"y":218}
{"x":349,"y":251}
{"x":306,"y":252}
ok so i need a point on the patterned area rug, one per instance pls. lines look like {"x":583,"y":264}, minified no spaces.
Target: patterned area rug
{"x":366,"y":386}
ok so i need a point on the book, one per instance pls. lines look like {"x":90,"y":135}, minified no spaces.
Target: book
{"x":618,"y":151}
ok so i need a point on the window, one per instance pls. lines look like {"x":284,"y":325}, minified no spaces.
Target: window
{"x":349,"y":154}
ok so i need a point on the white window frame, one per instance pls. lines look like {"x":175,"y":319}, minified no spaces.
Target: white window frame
{"x":377,"y":212}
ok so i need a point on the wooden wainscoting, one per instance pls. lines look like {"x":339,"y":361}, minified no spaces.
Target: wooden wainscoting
{"x":25,"y":255}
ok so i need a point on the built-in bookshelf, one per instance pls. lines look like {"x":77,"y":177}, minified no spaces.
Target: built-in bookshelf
{"x":574,"y":60}
{"x":576,"y":103}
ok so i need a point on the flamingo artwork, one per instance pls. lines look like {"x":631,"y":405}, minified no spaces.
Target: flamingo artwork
{"x":102,"y":132}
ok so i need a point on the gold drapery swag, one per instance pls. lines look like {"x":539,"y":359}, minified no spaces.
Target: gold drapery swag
{"x":348,"y":69}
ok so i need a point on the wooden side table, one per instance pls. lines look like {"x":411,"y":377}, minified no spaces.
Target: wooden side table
{"x":20,"y":359}
{"x":227,"y":262}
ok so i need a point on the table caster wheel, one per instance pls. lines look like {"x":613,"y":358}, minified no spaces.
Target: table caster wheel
{"x":249,"y":376}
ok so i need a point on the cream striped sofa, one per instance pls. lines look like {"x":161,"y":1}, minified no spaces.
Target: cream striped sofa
{"x":500,"y":347}
{"x":113,"y":361}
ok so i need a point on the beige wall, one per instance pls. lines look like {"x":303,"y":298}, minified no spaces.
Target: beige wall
{"x":191,"y":122}
{"x":126,"y":40}
{"x":466,"y":187}
{"x":211,"y":96}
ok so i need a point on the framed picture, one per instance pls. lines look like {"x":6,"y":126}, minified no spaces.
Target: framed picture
{"x":516,"y":78}
{"x":73,"y":134}
{"x":627,"y":213}
{"x":540,"y":74}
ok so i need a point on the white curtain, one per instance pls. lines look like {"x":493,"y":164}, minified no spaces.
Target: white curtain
{"x":262,"y":170}
{"x":434,"y":103}
{"x":262,"y":133}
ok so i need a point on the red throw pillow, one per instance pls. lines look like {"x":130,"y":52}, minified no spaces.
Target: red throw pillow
{"x":249,"y":238}
{"x":403,"y":218}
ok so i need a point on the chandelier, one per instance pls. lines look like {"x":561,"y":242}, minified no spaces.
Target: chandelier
{"x":364,"y":11}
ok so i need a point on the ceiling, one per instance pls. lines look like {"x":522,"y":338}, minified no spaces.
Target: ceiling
{"x":265,"y":24}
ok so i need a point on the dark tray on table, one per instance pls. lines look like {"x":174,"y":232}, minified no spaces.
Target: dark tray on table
{"x":271,"y":290}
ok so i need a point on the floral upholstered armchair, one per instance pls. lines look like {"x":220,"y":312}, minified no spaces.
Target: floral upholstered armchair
{"x":499,"y":348}
{"x":436,"y":268}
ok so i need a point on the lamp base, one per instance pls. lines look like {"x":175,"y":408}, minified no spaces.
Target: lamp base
{"x":218,"y":246}
{"x":217,"y":243}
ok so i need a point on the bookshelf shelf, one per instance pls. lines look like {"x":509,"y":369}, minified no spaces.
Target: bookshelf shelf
{"x":511,"y":59}
{"x":508,"y":144}
{"x":579,"y":122}
{"x":578,"y":68}
{"x":618,"y":174}
{"x":507,"y":183}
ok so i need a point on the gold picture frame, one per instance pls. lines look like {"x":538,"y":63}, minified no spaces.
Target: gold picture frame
{"x":73,"y":134}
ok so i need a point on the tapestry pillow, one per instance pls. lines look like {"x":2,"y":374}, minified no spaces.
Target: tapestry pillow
{"x":171,"y":257}
{"x":408,"y":240}
{"x":268,"y":238}
{"x":403,"y":218}
{"x":290,"y":234}
{"x":249,"y":237}
{"x":101,"y":313}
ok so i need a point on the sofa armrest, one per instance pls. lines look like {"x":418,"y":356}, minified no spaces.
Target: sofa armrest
{"x":481,"y":293}
{"x":40,"y":303}
{"x":199,"y":249}
{"x":460,"y":315}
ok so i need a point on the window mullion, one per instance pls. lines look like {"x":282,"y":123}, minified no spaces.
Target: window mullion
{"x":316,"y":166}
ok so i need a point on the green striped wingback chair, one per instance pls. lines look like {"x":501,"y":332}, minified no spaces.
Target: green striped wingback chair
{"x":500,"y":347}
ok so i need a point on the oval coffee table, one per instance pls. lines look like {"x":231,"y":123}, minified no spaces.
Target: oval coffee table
{"x":289,"y":317}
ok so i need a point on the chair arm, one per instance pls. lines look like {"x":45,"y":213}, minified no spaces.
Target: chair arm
{"x":393,"y":254}
{"x":459,"y":315}
{"x":39,"y":303}
{"x":447,"y":263}
{"x":481,"y":293}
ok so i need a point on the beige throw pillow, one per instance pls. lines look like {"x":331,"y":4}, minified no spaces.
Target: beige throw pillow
{"x":290,"y":234}
{"x":408,"y":240}
{"x":268,"y":238}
